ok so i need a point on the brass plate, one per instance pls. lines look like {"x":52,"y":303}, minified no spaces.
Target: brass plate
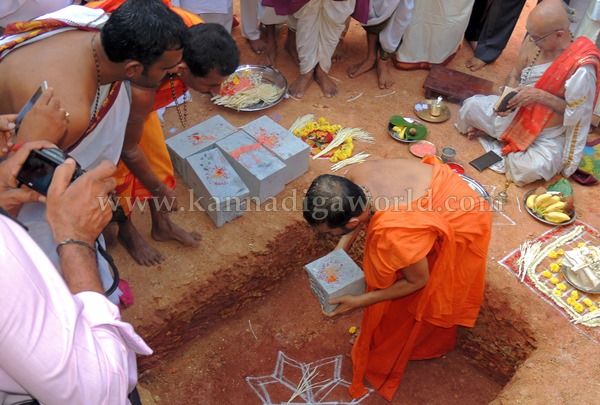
{"x":422,"y":109}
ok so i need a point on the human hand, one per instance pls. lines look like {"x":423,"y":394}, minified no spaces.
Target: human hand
{"x":7,"y":125}
{"x":45,"y":120}
{"x":11,"y":197}
{"x":166,"y":197}
{"x":525,"y":96}
{"x":346,"y":305}
{"x":89,"y":210}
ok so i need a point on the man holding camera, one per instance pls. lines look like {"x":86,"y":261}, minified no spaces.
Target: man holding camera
{"x":90,"y":71}
{"x":61,"y":341}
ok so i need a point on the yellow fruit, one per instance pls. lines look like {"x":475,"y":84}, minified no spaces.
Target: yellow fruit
{"x":531,"y":201}
{"x":556,"y":217}
{"x":541,"y":198}
{"x":556,"y":207}
{"x":549,"y":201}
{"x":396,"y":128}
{"x":403,"y":133}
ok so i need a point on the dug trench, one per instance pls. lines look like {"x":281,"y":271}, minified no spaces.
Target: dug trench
{"x":234,"y":325}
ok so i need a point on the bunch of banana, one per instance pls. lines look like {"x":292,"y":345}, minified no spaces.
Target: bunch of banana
{"x":402,"y":131}
{"x":548,"y":206}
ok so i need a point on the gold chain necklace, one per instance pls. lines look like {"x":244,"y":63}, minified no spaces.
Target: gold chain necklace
{"x":97,"y":99}
{"x":182,"y":117}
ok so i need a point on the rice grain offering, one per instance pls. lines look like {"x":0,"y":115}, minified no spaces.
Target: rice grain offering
{"x":246,"y":88}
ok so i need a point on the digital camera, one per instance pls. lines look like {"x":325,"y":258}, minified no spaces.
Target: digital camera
{"x":37,"y":171}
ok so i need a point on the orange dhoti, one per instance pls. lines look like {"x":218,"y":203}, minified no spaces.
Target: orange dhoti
{"x":152,"y":143}
{"x":451,"y":227}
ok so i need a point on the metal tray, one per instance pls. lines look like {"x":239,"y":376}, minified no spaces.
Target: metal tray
{"x":530,"y":212}
{"x":477,"y":187}
{"x":394,"y":135}
{"x":566,"y":271}
{"x":269,"y":75}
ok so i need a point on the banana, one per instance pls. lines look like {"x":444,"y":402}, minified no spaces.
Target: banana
{"x":531,"y":201}
{"x":556,"y":207}
{"x":549,"y":201}
{"x":396,"y":128}
{"x":541,"y":198}
{"x":403,"y":133}
{"x":556,"y":217}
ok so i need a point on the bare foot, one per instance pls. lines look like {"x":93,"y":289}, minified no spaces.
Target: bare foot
{"x":385,"y":77}
{"x":136,"y":245}
{"x":475,"y":64}
{"x":300,"y":85}
{"x":271,"y":38}
{"x":290,"y":46}
{"x":474,"y":133}
{"x":259,"y":46}
{"x":163,"y":229}
{"x":339,"y":53}
{"x":362,"y":67}
{"x":328,"y":87}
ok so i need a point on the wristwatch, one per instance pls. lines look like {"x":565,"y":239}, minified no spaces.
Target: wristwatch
{"x":384,"y":55}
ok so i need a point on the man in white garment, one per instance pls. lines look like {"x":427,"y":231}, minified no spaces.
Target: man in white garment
{"x":213,"y":11}
{"x":387,"y":21}
{"x":544,"y":130}
{"x":253,"y":16}
{"x":318,"y":25}
{"x":85,"y":68}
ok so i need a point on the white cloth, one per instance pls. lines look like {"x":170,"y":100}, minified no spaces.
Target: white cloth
{"x":24,"y":10}
{"x":60,"y":348}
{"x":206,"y":6}
{"x":589,"y":26}
{"x":556,"y":149}
{"x":435,"y":31}
{"x":253,"y":13}
{"x":319,"y":24}
{"x":400,"y":14}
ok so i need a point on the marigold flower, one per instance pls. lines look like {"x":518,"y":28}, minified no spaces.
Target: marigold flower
{"x":581,"y":244}
{"x":352,"y":330}
{"x":546,"y":274}
{"x":560,"y":252}
{"x":575,"y":294}
{"x":571,"y":301}
{"x":588,"y":302}
{"x":578,"y":307}
{"x":553,"y":254}
{"x":554,"y":280}
{"x":557,"y":293}
{"x":561,"y":287}
{"x":592,"y":308}
{"x":554,"y":267}
{"x":559,"y":261}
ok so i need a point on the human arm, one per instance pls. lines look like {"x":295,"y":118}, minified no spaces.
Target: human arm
{"x":133,"y":156}
{"x":415,"y":277}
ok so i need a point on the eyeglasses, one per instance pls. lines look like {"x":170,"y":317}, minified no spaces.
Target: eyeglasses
{"x":535,"y":39}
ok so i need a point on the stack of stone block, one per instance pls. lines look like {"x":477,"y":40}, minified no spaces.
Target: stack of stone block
{"x":225,"y":165}
{"x":334,"y":275}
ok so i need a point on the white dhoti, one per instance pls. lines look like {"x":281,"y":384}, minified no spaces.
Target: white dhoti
{"x":253,"y":13}
{"x":319,"y":24}
{"x":399,"y":13}
{"x":211,"y":11}
{"x":435,"y":31}
{"x":556,"y":149}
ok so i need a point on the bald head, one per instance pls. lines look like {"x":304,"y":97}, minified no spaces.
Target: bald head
{"x":548,"y":16}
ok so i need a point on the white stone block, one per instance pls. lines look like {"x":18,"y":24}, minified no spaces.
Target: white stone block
{"x":334,"y":275}
{"x":292,"y":151}
{"x":197,"y":139}
{"x":217,"y":187}
{"x":261,"y":170}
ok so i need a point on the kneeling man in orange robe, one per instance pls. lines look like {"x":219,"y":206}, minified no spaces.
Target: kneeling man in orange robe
{"x":427,"y":237}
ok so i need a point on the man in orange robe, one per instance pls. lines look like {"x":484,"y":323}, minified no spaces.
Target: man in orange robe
{"x":145,"y":170}
{"x":427,"y":236}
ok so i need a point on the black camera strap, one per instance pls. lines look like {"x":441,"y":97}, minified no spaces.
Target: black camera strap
{"x":7,"y":215}
{"x":113,"y":266}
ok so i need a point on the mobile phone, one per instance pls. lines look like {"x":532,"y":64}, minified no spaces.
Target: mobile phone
{"x":486,"y":160}
{"x":29,"y":105}
{"x":38,"y":169}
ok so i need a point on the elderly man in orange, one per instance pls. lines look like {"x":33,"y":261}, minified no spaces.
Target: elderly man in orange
{"x":427,"y":236}
{"x":145,"y":169}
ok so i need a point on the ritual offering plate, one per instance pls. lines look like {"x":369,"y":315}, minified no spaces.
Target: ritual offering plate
{"x":252,"y":88}
{"x":422,"y":148}
{"x":536,"y":211}
{"x":423,"y":111}
{"x":405,"y":129}
{"x":456,"y":167}
{"x":572,"y":279}
{"x":477,"y":187}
